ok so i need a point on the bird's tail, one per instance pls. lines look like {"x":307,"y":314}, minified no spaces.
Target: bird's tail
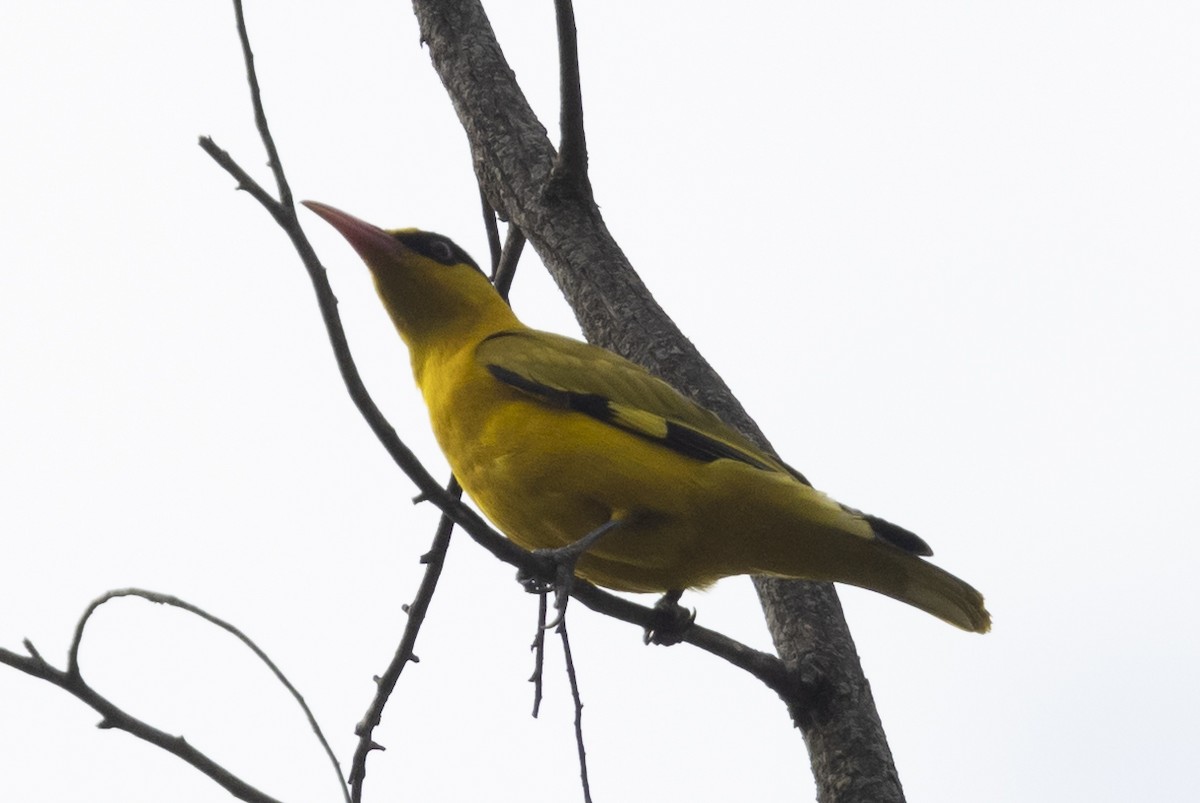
{"x":894,"y":567}
{"x":879,"y":566}
{"x":921,"y":584}
{"x":838,"y":544}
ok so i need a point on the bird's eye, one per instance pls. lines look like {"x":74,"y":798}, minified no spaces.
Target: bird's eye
{"x":441,"y":251}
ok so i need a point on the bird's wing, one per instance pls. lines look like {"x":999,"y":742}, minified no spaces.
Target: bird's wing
{"x":566,"y":373}
{"x":569,"y":374}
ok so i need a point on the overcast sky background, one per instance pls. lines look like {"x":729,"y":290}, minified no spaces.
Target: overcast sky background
{"x":945,"y":253}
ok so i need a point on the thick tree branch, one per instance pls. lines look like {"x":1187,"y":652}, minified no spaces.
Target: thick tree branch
{"x":842,"y":716}
{"x":514,"y":162}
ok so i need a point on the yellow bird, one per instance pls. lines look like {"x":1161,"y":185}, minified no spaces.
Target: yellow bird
{"x":554,"y":439}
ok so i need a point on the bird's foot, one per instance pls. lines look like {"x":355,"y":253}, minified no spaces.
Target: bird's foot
{"x":556,"y":573}
{"x":559,"y":564}
{"x":671,"y":620}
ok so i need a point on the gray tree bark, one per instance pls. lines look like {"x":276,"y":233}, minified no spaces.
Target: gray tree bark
{"x":515,"y":163}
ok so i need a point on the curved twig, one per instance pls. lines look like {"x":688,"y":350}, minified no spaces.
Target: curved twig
{"x":176,"y":602}
{"x":71,"y":681}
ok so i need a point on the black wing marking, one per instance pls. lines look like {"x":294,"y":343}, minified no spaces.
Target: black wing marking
{"x":674,"y":435}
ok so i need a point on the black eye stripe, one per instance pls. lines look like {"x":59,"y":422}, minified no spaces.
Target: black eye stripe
{"x":436,"y":247}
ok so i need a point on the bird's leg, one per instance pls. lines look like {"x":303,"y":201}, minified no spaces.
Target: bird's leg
{"x":563,"y":559}
{"x":671,"y":620}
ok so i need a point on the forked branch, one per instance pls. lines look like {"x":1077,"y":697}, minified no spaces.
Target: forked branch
{"x":113,"y":716}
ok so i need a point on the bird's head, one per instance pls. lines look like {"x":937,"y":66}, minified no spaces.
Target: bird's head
{"x":431,"y":288}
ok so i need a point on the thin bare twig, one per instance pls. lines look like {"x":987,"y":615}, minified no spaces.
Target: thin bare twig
{"x":493,"y":232}
{"x":514,"y":244}
{"x":434,"y":559}
{"x":504,"y":259}
{"x":539,"y":653}
{"x":571,"y":164}
{"x":583,"y":773}
{"x":260,"y":115}
{"x":428,"y":487}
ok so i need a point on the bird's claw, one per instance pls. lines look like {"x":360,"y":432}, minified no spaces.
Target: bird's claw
{"x":671,"y":621}
{"x":558,"y":564}
{"x":534,"y":581}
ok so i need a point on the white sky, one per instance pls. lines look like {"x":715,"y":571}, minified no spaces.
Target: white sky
{"x":945,"y":253}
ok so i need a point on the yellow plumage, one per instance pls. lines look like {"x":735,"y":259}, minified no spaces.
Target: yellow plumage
{"x":553,"y":438}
